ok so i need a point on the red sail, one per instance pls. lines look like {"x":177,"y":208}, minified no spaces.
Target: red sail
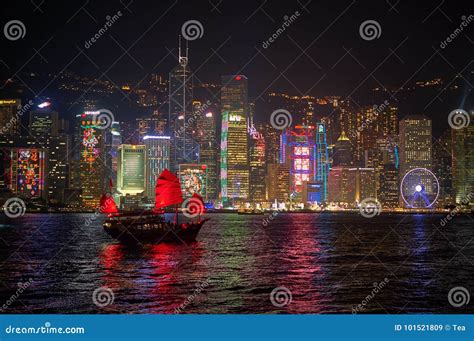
{"x":198,"y":199}
{"x":107,"y":204}
{"x":168,"y":190}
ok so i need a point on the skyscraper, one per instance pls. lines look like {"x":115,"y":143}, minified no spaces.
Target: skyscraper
{"x":443,"y":167}
{"x":206,"y":135}
{"x":322,"y":160}
{"x":113,"y":141}
{"x":184,"y":149}
{"x":387,"y":193}
{"x":272,"y":142}
{"x":157,"y":158}
{"x":463,"y":163}
{"x":341,"y":190}
{"x":44,"y":132}
{"x":415,"y":152}
{"x":343,"y":152}
{"x":151,"y":125}
{"x":298,"y":151}
{"x":9,"y":119}
{"x":90,"y":148}
{"x":257,"y":167}
{"x":234,"y":161}
{"x":27,"y":172}
{"x":44,"y":122}
{"x":278,"y":182}
{"x":373,"y":122}
{"x":57,"y":171}
{"x":131,"y":169}
{"x":193,"y":179}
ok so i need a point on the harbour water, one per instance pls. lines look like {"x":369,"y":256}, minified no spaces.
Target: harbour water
{"x":321,"y":263}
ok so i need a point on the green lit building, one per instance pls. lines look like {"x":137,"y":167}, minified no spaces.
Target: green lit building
{"x":131,"y":169}
{"x":234,"y":160}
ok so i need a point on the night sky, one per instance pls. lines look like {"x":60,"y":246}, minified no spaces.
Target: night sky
{"x":320,"y":53}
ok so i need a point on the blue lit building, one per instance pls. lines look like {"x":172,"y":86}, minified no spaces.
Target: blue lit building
{"x":304,"y":150}
{"x":322,"y":161}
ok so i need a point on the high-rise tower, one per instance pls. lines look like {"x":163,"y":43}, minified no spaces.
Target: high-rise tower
{"x":234,"y":139}
{"x":184,"y":149}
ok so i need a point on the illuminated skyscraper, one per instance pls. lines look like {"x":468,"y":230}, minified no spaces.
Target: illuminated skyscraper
{"x":152,"y":125}
{"x":272,"y":142}
{"x":57,"y":170}
{"x":157,"y":159}
{"x":9,"y":119}
{"x":45,"y":133}
{"x":364,"y":180}
{"x":27,"y":172}
{"x":115,"y":142}
{"x":90,"y":147}
{"x":257,"y":166}
{"x":463,"y":163}
{"x":278,"y":182}
{"x":184,"y":149}
{"x":193,"y":179}
{"x":443,"y":167}
{"x":322,"y":160}
{"x":131,"y":169}
{"x":415,"y":151}
{"x":373,"y":122}
{"x":298,"y":151}
{"x":43,"y":122}
{"x":388,"y":183}
{"x":206,"y":135}
{"x":343,"y":152}
{"x":341,"y":190}
{"x":234,"y":161}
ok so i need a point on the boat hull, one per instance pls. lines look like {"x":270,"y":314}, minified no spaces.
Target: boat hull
{"x":151,"y":230}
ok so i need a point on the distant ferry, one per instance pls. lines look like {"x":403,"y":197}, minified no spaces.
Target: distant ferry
{"x":143,"y":227}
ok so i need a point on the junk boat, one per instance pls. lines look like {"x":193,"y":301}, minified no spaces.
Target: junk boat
{"x":144,"y":227}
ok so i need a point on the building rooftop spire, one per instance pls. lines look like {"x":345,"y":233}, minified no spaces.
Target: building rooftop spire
{"x":343,"y":137}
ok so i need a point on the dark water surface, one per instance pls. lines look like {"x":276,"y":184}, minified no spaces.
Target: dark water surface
{"x":329,"y":263}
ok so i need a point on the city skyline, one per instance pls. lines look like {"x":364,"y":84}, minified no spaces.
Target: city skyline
{"x":237,"y":157}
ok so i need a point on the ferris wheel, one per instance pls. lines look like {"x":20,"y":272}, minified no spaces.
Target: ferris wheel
{"x":419,"y":188}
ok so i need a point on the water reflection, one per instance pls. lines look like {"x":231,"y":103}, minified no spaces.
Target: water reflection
{"x":328,"y":261}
